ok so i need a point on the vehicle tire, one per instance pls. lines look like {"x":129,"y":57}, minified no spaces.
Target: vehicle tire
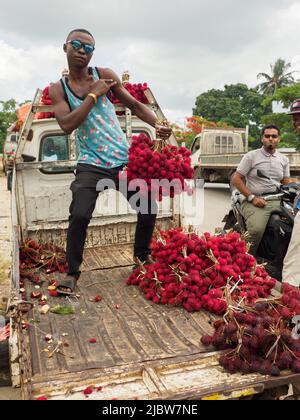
{"x":5,"y":379}
{"x":9,"y":180}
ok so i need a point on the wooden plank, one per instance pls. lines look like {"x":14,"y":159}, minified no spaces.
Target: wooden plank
{"x":137,"y":332}
{"x":153,"y":382}
{"x":108,"y":257}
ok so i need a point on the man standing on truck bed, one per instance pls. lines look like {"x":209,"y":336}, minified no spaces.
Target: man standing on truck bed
{"x":80,"y":102}
{"x":273,"y":164}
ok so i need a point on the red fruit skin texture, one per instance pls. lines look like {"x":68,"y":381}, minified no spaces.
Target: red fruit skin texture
{"x":296,"y":366}
{"x":206,"y":340}
{"x":88,"y":391}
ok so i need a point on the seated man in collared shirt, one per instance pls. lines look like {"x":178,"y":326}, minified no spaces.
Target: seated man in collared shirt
{"x":273,"y":164}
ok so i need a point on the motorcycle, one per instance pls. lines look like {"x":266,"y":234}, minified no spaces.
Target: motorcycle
{"x":275,"y":242}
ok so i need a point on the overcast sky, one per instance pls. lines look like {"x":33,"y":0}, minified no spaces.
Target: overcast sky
{"x":181,"y":48}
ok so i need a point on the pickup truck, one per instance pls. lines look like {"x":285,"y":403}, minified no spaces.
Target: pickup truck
{"x":217,"y":152}
{"x":141,"y":350}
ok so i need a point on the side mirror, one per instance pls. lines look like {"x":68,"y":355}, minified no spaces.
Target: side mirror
{"x":197,"y":147}
{"x":28,"y":158}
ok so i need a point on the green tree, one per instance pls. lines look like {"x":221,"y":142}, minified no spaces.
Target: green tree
{"x":280,"y":77}
{"x":285,"y":96}
{"x":237,"y":105}
{"x":7,"y":117}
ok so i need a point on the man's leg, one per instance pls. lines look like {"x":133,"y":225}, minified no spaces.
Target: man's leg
{"x":81,"y":211}
{"x":257,"y":220}
{"x":143,"y":235}
{"x":291,"y":269}
{"x":146,"y":209}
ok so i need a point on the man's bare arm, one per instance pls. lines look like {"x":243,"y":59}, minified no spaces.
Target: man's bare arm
{"x":67,"y":119}
{"x":239,"y":183}
{"x":70,"y":120}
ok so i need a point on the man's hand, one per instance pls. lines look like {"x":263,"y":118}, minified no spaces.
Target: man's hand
{"x":102,"y":86}
{"x":259,"y":202}
{"x":163,"y":132}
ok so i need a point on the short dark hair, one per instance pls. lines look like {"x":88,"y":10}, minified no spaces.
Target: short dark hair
{"x":270,"y":127}
{"x":80,"y":30}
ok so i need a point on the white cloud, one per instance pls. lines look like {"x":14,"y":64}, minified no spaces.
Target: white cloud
{"x":181,"y":48}
{"x":23,"y":71}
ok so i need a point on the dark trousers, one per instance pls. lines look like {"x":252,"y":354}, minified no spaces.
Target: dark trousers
{"x":85,"y":194}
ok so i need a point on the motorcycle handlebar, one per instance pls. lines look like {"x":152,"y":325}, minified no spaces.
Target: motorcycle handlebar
{"x":273,"y":197}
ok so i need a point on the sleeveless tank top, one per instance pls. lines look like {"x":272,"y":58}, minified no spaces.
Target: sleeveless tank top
{"x":100,"y":138}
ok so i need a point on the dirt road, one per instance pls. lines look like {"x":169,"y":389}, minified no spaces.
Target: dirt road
{"x":5,"y":261}
{"x":217,"y":202}
{"x":5,"y":240}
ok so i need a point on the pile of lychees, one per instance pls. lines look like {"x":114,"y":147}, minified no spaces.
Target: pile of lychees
{"x":152,"y":164}
{"x":217,"y":274}
{"x":36,"y":258}
{"x":193,"y":272}
{"x":45,"y":100}
{"x":137,"y":90}
{"x":47,"y":257}
{"x":260,"y":338}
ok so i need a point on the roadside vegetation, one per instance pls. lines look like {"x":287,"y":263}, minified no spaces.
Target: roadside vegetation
{"x":7,"y":117}
{"x":238,"y":105}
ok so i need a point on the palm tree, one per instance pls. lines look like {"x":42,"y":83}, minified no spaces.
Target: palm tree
{"x":280,"y":77}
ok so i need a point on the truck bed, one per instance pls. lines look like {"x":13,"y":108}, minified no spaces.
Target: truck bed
{"x":143,"y":350}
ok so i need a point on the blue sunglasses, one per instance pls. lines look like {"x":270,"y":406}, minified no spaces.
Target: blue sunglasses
{"x":77,"y":45}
